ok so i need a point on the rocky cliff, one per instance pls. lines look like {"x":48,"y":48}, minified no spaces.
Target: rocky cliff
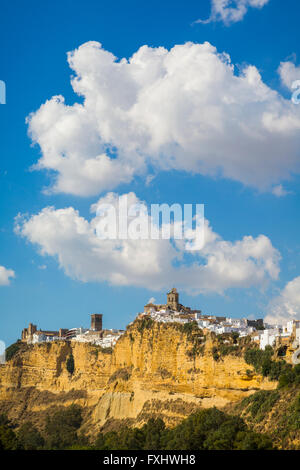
{"x":157,"y":369}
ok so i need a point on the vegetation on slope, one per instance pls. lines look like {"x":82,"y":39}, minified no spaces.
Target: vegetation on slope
{"x":70,"y":364}
{"x":59,"y":431}
{"x":280,"y":370}
{"x":276,"y":412}
{"x":13,"y":349}
{"x":206,"y":429}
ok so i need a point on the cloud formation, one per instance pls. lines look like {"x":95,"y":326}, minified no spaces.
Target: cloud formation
{"x":279,"y":191}
{"x":5,"y":276}
{"x":286,"y":306}
{"x":289,"y":73}
{"x":220,"y":265}
{"x":231,"y":11}
{"x":186,"y":109}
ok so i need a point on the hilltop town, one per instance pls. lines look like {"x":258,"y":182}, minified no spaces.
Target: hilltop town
{"x":94,"y":335}
{"x":170,"y":362}
{"x":285,"y":336}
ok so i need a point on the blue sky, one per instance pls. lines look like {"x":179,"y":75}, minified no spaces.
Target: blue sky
{"x":35,"y":38}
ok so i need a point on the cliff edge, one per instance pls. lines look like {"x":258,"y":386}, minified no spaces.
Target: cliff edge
{"x":155,"y":369}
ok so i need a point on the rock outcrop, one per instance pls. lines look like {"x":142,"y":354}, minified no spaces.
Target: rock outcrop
{"x":154,"y":369}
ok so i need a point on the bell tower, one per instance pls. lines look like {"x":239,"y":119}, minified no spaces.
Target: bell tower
{"x":96,"y":321}
{"x":173,"y":299}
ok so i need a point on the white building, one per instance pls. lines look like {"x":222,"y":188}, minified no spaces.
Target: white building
{"x":268,"y":337}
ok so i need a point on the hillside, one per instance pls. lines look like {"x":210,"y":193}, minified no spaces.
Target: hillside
{"x":276,"y":413}
{"x":155,"y":370}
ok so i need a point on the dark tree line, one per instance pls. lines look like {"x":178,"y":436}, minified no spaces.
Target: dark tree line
{"x":206,"y":429}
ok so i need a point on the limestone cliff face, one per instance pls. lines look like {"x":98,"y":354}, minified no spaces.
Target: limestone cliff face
{"x":153,"y":370}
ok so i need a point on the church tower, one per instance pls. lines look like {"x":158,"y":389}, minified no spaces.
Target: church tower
{"x":96,"y":322}
{"x":173,"y":299}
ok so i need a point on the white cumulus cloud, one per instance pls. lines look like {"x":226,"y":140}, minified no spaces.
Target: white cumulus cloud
{"x":286,"y":306}
{"x":289,"y":73}
{"x":231,"y":11}
{"x":153,"y":264}
{"x":187,"y":109}
{"x":6,"y":275}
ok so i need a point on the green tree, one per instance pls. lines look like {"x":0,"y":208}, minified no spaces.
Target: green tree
{"x":70,"y":364}
{"x":29,"y":437}
{"x":153,"y":431}
{"x":253,"y":441}
{"x":8,"y":439}
{"x":12,"y":350}
{"x":61,"y":427}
